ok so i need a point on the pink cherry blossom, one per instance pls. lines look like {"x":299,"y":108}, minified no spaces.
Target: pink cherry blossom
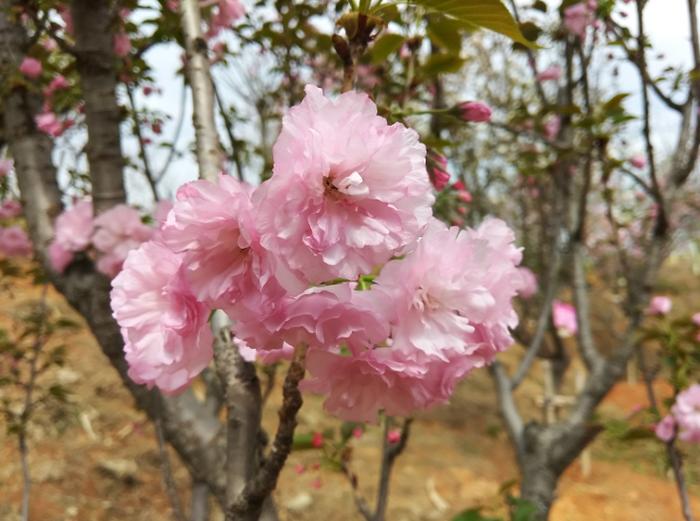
{"x":14,"y":242}
{"x":49,"y":124}
{"x":214,"y":227}
{"x":578,"y":17}
{"x":452,"y":282}
{"x":528,"y":286}
{"x":686,"y":413}
{"x":6,"y":166}
{"x":118,"y":231}
{"x":59,"y":257}
{"x":74,"y":226}
{"x":166,"y":334}
{"x":348,"y":191}
{"x":638,"y":161}
{"x":660,"y":305}
{"x":265,"y":356}
{"x":666,"y":428}
{"x":228,"y":11}
{"x":564,"y":318}
{"x":10,"y":209}
{"x":122,"y":44}
{"x":696,"y":319}
{"x":57,"y":83}
{"x":31,"y":67}
{"x":474,"y":111}
{"x":551,"y":73}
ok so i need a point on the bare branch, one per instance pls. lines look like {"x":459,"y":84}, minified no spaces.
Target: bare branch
{"x":147,"y":172}
{"x":206,"y":137}
{"x":589,"y":352}
{"x":167,"y":472}
{"x":507,"y":406}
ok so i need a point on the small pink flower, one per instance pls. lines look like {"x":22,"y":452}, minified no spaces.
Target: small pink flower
{"x":167,"y":339}
{"x":14,"y":242}
{"x":474,"y":111}
{"x":578,"y":17}
{"x":173,"y":5}
{"x":357,"y":432}
{"x":5,"y":167}
{"x":393,"y":436}
{"x":638,"y":161}
{"x":665,"y":429}
{"x":49,"y":124}
{"x":58,"y":83}
{"x":316,"y":483}
{"x":528,"y":286}
{"x":564,"y":318}
{"x":551,"y":73}
{"x":464,"y":196}
{"x":317,"y":440}
{"x":299,"y":468}
{"x":686,"y":413}
{"x":659,"y":305}
{"x":696,"y":319}
{"x":31,"y":67}
{"x":59,"y":257}
{"x":10,"y":209}
{"x":122,"y":44}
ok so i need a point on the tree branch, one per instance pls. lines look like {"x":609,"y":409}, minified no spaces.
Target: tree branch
{"x":390,"y":451}
{"x":249,"y":502}
{"x":206,"y":137}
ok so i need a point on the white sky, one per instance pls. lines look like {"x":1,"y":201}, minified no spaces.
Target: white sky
{"x":666,"y":23}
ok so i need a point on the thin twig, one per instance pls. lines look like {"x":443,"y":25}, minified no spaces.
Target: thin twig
{"x":147,"y":172}
{"x":390,"y":451}
{"x":674,"y":456}
{"x":167,"y":473}
{"x":37,"y":346}
{"x":176,"y":136}
{"x":247,"y":505}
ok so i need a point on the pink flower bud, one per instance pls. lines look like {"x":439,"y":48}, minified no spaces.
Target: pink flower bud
{"x":551,"y":73}
{"x":31,"y":67}
{"x":317,"y":440}
{"x":393,"y":436}
{"x":665,"y":429}
{"x":474,"y":111}
{"x":122,"y":44}
{"x":638,"y":161}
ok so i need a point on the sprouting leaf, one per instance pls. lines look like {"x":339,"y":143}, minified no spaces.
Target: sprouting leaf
{"x":384,"y":46}
{"x":473,"y":514}
{"x":471,"y":14}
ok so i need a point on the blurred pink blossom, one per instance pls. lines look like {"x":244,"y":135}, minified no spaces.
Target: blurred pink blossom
{"x":31,"y":67}
{"x":14,"y":242}
{"x":659,"y":305}
{"x":564,"y":317}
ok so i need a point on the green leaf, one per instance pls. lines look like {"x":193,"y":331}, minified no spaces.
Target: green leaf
{"x":445,"y":32}
{"x":473,"y":514}
{"x":488,"y":14}
{"x":384,"y":46}
{"x":441,"y":63}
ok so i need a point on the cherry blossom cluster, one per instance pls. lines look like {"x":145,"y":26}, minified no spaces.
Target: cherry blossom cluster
{"x":683,"y":421}
{"x":108,"y":237}
{"x":337,"y":253}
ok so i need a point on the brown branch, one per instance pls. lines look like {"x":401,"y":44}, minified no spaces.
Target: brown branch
{"x":390,"y":451}
{"x":147,"y":172}
{"x":167,"y":473}
{"x":249,"y":502}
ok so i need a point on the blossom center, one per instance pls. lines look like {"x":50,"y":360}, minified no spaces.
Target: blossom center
{"x":423,"y":301}
{"x":353,"y":184}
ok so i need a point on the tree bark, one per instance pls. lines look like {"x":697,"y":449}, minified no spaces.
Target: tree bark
{"x":94,"y":22}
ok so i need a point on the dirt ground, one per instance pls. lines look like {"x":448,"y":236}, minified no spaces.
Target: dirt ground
{"x":99,"y":460}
